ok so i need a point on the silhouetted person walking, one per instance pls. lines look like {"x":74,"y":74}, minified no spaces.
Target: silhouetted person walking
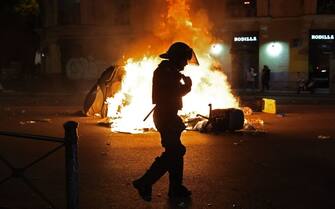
{"x":167,"y":93}
{"x":265,"y":78}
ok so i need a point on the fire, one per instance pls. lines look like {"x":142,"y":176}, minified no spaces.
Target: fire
{"x":132,"y":103}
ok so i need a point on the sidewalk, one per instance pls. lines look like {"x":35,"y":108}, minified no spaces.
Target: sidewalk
{"x":45,"y":91}
{"x":67,"y":90}
{"x":288,"y":97}
{"x":46,"y":84}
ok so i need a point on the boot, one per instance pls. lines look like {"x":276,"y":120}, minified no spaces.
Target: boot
{"x":143,"y":190}
{"x":176,"y":188}
{"x":179,"y":192}
{"x":144,"y":184}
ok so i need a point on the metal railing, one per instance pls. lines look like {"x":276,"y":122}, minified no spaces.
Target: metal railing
{"x":70,"y":142}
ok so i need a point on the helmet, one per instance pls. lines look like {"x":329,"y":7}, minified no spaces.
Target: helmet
{"x":180,"y":50}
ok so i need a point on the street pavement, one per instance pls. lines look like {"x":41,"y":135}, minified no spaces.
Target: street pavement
{"x":287,"y":163}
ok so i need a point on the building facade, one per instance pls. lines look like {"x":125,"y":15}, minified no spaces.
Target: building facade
{"x":288,"y":36}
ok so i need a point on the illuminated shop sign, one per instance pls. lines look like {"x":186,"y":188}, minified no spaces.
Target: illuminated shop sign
{"x":245,"y":38}
{"x":323,"y":37}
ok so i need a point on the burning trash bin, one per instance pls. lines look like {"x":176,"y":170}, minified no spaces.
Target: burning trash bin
{"x":220,"y":120}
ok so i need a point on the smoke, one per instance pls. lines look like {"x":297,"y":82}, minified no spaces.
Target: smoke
{"x":168,"y":22}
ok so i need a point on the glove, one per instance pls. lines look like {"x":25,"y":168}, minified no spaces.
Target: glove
{"x":188,"y":81}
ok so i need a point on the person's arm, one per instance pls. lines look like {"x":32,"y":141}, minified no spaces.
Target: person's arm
{"x":186,"y":87}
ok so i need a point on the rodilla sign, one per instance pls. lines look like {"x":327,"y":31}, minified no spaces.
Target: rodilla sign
{"x":322,"y":37}
{"x":245,"y":38}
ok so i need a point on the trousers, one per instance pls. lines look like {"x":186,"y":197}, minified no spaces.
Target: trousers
{"x":170,"y":127}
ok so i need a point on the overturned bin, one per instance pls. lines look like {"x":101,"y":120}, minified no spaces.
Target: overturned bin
{"x":220,"y":120}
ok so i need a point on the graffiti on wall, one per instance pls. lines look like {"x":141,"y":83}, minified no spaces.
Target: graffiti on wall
{"x":85,"y":68}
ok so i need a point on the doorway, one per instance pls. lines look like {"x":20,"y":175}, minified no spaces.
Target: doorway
{"x":321,"y":50}
{"x":243,"y":60}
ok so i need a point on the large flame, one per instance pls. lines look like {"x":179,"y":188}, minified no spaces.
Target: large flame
{"x":132,"y":103}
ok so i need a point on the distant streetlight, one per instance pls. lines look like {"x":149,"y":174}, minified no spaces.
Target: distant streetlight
{"x":274,"y":49}
{"x":216,"y":49}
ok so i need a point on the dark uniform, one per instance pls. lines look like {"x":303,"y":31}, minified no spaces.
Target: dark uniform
{"x":167,"y":93}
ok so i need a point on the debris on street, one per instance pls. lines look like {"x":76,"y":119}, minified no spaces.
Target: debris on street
{"x":249,"y":127}
{"x":106,"y":122}
{"x":181,"y":204}
{"x":43,"y":120}
{"x":247,"y":110}
{"x":255,"y":122}
{"x":324,"y":137}
{"x":253,"y":126}
{"x":27,"y":122}
{"x":239,"y":142}
{"x":281,"y":115}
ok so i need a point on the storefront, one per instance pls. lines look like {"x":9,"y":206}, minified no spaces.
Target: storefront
{"x":245,"y":54}
{"x":321,"y":50}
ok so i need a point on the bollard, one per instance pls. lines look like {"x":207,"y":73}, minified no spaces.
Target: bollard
{"x":71,"y":164}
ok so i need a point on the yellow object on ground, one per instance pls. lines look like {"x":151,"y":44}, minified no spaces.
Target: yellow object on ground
{"x":269,"y":106}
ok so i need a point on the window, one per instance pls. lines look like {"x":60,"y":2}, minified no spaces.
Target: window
{"x":121,"y":12}
{"x":241,"y":8}
{"x":115,"y":13}
{"x":68,"y":12}
{"x":326,"y":7}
